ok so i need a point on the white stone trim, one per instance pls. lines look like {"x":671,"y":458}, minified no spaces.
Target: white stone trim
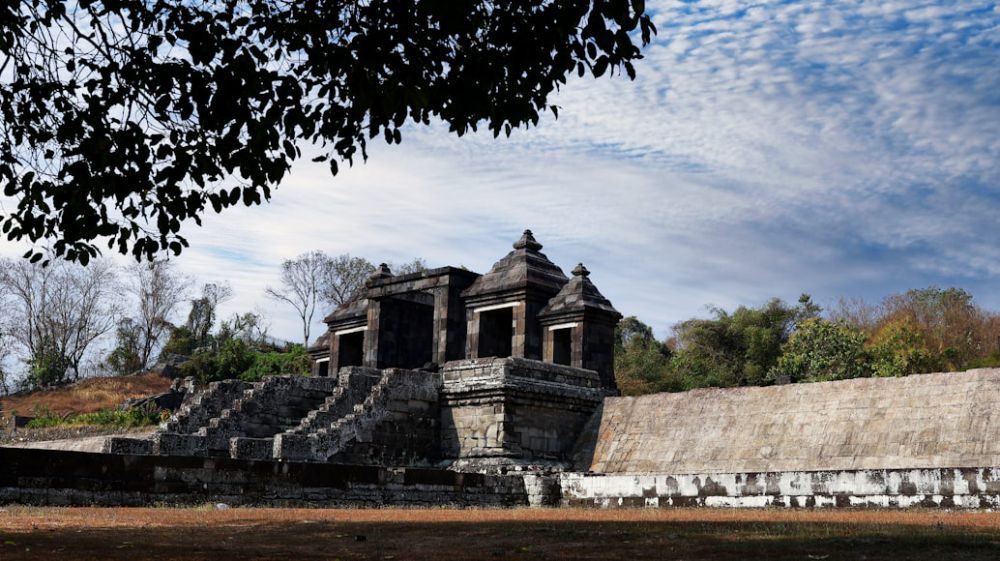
{"x":496,"y":307}
{"x":563,"y":326}
{"x":319,"y":360}
{"x":351,"y":330}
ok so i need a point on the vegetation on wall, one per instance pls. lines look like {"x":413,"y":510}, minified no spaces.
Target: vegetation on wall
{"x":918,"y":331}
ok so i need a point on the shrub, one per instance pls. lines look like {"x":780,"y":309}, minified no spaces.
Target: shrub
{"x":294,"y":362}
{"x":181,"y":342}
{"x":131,"y":418}
{"x":822,"y":350}
{"x":898,"y":349}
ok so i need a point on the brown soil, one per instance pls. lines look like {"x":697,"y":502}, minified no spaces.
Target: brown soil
{"x":86,"y":396}
{"x":559,"y":534}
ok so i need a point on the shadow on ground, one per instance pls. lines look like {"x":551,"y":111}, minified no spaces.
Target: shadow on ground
{"x":327,"y":538}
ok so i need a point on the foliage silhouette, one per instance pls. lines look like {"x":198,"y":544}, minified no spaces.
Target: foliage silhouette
{"x":120,"y":120}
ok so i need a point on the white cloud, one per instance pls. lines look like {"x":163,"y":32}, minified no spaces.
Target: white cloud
{"x":766,"y":148}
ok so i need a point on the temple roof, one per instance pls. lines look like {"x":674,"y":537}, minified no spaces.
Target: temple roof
{"x":524,"y":268}
{"x":579,"y":295}
{"x":355,"y":308}
{"x":321,"y":343}
{"x":359,"y":305}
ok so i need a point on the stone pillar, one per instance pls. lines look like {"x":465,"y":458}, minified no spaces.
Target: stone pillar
{"x":372,"y":336}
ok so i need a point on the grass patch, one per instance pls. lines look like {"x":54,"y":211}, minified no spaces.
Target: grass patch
{"x":87,"y":396}
{"x":112,"y":418}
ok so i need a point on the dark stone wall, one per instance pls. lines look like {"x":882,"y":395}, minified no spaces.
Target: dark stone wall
{"x":60,"y":478}
{"x":597,"y":345}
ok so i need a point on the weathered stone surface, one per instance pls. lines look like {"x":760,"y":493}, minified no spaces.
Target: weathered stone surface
{"x":396,"y":423}
{"x":525,"y":411}
{"x":205,"y":405}
{"x":266,"y":408}
{"x":128,"y":446}
{"x":934,"y":487}
{"x":920,"y":421}
{"x":244,"y":448}
{"x":427,"y":318}
{"x":58,"y":478}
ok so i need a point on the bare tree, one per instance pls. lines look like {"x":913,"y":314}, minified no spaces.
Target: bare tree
{"x":344,"y":278}
{"x":417,"y":265}
{"x":302,"y":286}
{"x":204,"y":310}
{"x":6,"y":345}
{"x":159,"y":289}
{"x":58,"y":311}
{"x":6,"y":348}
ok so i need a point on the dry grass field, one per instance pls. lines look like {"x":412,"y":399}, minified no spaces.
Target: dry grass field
{"x":446,"y":534}
{"x":86,"y":396}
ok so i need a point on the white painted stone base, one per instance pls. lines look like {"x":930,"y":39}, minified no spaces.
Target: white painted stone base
{"x":947,"y":488}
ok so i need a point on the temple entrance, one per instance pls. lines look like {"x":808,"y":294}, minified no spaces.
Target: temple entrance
{"x":562,"y":346}
{"x":496,"y":333}
{"x":406,"y":330}
{"x":351,"y":349}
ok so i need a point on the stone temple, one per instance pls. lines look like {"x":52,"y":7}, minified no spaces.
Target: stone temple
{"x":438,"y":367}
{"x":450,"y":387}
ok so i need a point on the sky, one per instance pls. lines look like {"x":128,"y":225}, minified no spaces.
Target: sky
{"x":765,"y":149}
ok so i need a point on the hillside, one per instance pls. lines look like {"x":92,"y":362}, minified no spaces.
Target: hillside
{"x":86,"y":396}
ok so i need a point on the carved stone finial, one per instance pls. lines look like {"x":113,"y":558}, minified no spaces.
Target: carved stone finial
{"x":580,"y":271}
{"x":382,"y":272}
{"x":527,"y":241}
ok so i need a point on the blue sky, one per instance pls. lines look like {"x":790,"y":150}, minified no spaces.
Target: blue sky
{"x":847,"y":148}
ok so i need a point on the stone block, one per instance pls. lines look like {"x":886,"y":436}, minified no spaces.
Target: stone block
{"x":128,"y":446}
{"x":242,"y":448}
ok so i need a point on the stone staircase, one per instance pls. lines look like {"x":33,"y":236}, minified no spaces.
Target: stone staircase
{"x":363,"y":415}
{"x":396,"y":420}
{"x":354,"y":385}
{"x":257,"y":410}
{"x":205,"y":405}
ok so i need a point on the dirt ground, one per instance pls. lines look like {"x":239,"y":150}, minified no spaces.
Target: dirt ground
{"x":444,"y":534}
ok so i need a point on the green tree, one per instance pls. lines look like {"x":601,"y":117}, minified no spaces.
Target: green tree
{"x":294,"y":362}
{"x":899,"y":349}
{"x":126,"y":357}
{"x":630,"y":330}
{"x":121,"y":120}
{"x":181,"y":342}
{"x":204,"y":311}
{"x":738,"y":349}
{"x":821,"y":350}
{"x":642,"y":364}
{"x":47,"y":365}
{"x":948,"y":322}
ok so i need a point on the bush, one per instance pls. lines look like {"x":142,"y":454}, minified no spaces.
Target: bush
{"x":295,"y":362}
{"x":899,"y":349}
{"x":203,"y":365}
{"x":132,"y":418}
{"x":181,"y":342}
{"x":47,"y":368}
{"x":822,"y":350}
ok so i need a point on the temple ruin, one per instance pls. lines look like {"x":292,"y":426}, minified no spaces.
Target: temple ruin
{"x":449,"y":387}
{"x":442,"y":367}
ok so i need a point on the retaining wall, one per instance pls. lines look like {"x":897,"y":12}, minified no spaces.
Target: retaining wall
{"x":54,"y":477}
{"x":925,"y":421}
